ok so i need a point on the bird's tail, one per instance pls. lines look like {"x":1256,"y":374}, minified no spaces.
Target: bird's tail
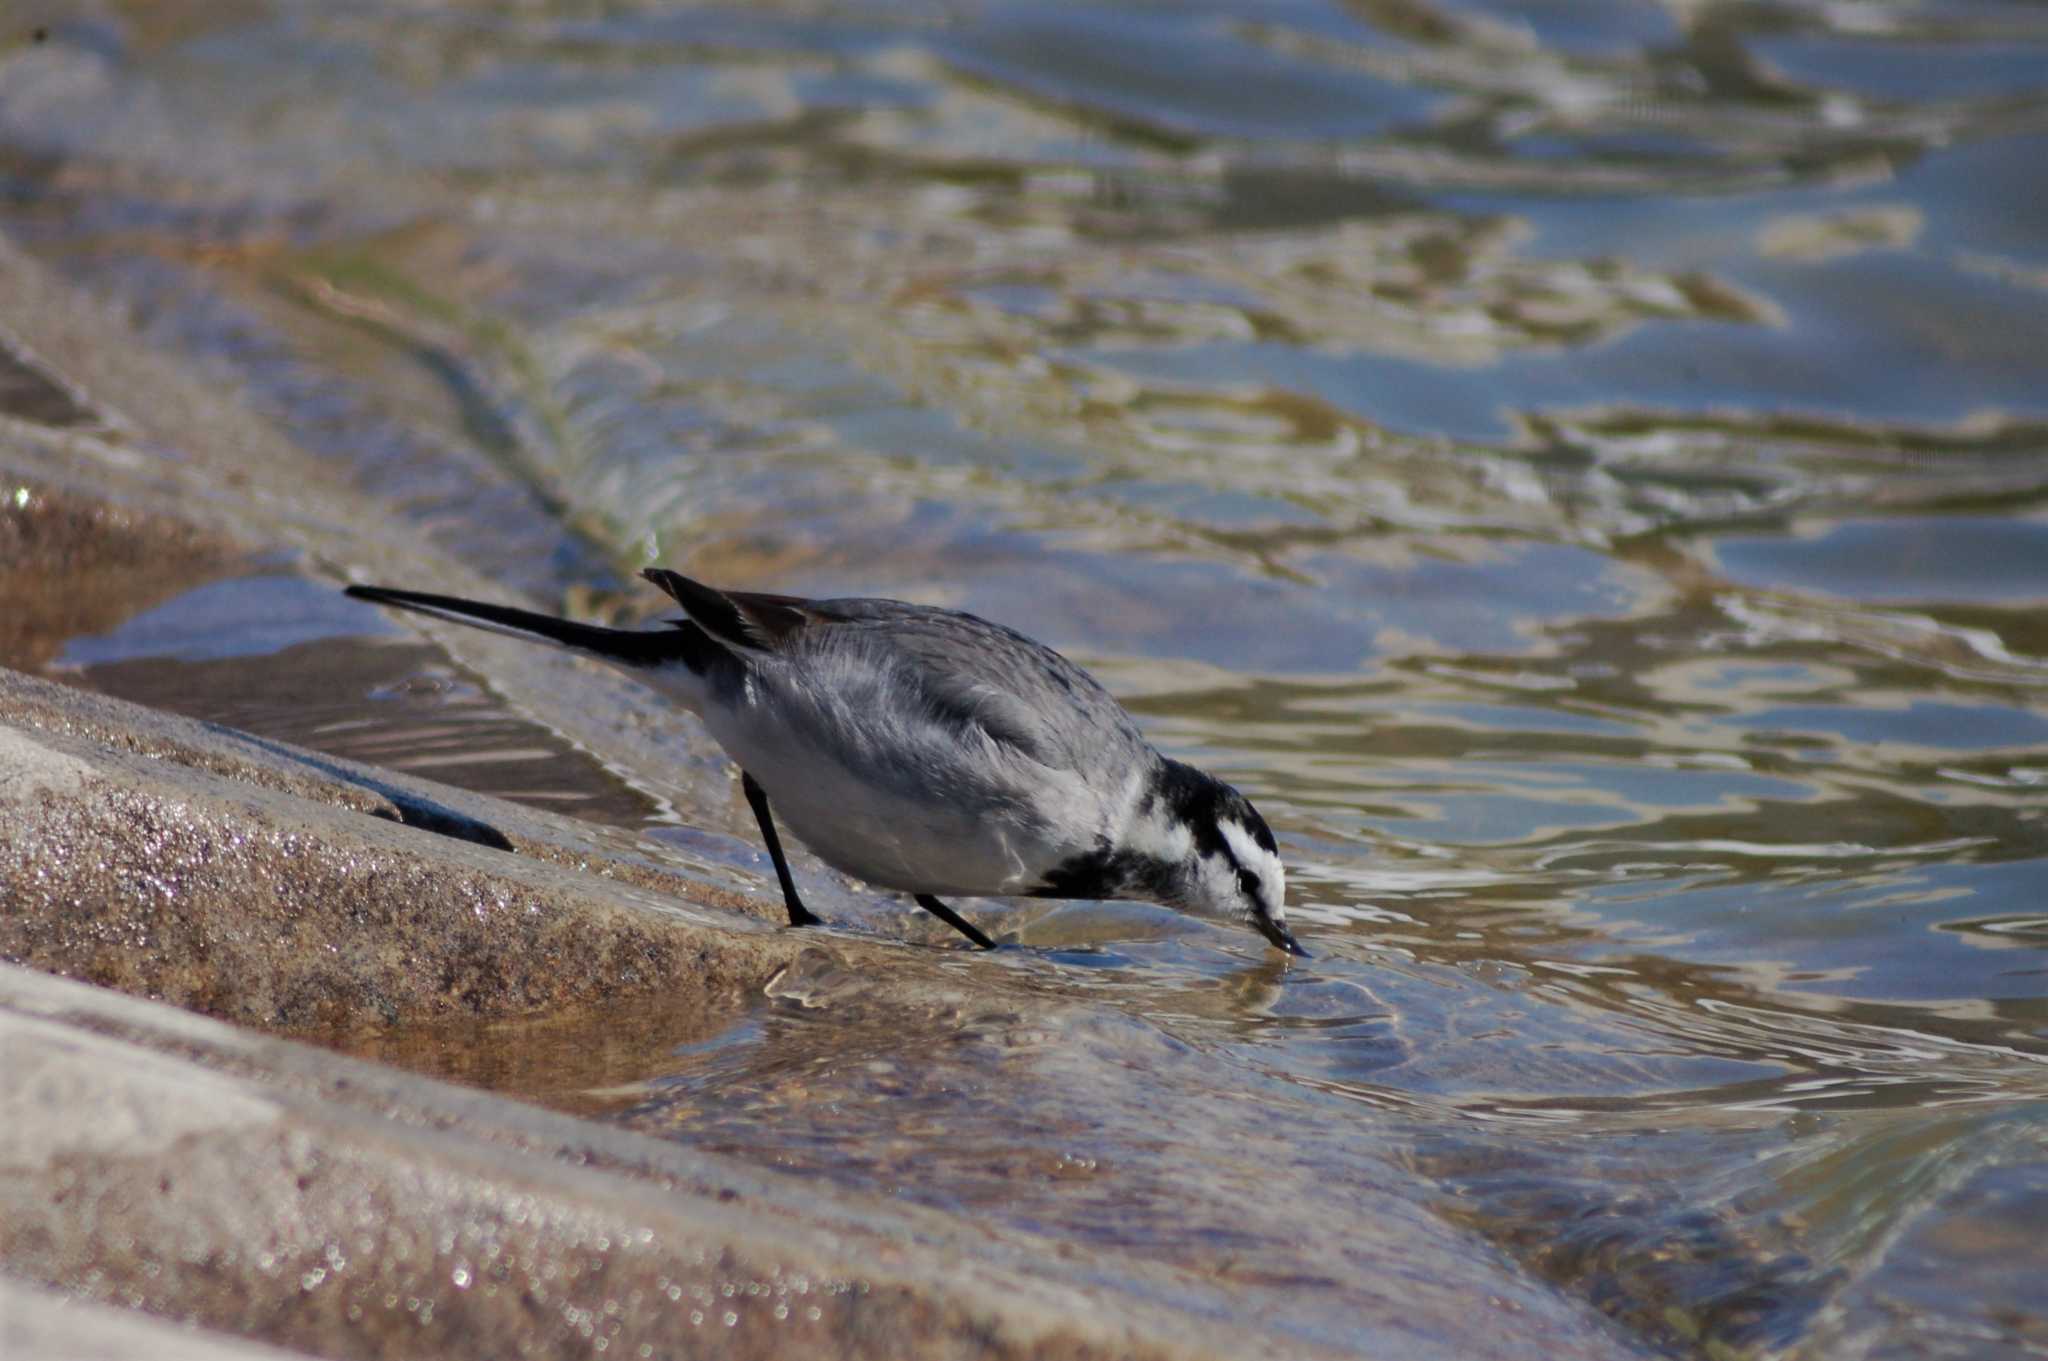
{"x":681,"y":642}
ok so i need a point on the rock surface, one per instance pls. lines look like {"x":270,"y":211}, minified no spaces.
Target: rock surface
{"x":179,"y":1166}
{"x":290,"y":890}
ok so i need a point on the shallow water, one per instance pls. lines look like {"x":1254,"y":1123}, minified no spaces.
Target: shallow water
{"x":1582,"y":470}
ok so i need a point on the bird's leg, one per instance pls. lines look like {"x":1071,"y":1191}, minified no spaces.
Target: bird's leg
{"x":757,"y":799}
{"x":954,"y":920}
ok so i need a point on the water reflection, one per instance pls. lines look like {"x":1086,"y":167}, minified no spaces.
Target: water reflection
{"x":1581,"y":469}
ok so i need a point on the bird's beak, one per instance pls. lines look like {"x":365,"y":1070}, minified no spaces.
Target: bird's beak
{"x":1277,"y":932}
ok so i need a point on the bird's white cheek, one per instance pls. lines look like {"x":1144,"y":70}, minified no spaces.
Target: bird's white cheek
{"x":1221,"y":897}
{"x":1160,"y":837}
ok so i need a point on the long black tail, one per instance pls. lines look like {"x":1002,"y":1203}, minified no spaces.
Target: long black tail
{"x":681,"y":642}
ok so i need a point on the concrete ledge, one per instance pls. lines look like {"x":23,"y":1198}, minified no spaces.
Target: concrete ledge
{"x":286,"y":889}
{"x":171,"y":1164}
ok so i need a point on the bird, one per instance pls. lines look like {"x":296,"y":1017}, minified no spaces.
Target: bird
{"x":930,"y":752}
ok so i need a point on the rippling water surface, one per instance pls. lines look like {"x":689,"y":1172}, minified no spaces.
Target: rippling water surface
{"x":1582,"y":469}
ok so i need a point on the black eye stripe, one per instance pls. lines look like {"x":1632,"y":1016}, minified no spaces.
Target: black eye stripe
{"x":1249,"y":882}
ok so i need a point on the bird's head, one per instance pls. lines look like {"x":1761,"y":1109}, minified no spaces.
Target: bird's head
{"x":1231,"y":867}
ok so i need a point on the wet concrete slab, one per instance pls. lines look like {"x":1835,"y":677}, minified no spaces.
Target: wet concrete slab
{"x":193,"y":1171}
{"x":281,"y":888}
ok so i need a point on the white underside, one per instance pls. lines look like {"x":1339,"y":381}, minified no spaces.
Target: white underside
{"x":911,"y":846}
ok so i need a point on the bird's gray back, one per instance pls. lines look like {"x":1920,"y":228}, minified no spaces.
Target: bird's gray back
{"x":968,"y":670}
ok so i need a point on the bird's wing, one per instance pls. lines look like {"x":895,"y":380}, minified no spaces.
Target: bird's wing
{"x":967,"y":670}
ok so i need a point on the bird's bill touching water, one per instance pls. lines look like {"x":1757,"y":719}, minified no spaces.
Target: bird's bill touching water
{"x":1277,"y":932}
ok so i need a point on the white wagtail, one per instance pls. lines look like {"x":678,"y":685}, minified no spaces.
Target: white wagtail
{"x":929,"y":751}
